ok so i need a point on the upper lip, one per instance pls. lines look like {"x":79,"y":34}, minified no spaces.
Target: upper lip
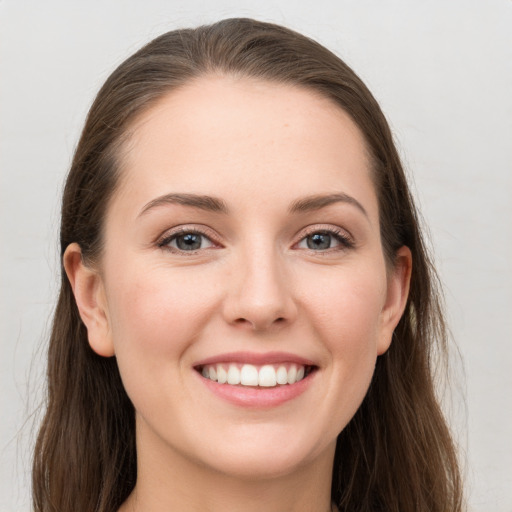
{"x":256,"y":358}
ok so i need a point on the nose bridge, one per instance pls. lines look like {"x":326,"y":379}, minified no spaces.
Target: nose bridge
{"x":260,"y":294}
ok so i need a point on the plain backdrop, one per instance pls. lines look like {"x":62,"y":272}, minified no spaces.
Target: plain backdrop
{"x":442,"y":71}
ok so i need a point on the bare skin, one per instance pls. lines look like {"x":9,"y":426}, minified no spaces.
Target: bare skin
{"x":282,"y":260}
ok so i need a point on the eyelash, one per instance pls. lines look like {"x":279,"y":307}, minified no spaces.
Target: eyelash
{"x":169,"y":238}
{"x":344,"y":240}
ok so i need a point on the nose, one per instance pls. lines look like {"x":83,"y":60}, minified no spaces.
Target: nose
{"x":260,"y":293}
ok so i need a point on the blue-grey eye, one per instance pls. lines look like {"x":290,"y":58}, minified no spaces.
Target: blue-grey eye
{"x":188,"y":241}
{"x":323,"y":240}
{"x":319,"y":241}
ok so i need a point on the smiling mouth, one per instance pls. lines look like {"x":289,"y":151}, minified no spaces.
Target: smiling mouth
{"x":256,"y":376}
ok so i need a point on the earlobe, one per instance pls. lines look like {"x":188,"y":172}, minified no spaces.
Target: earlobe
{"x":396,"y":297}
{"x":90,"y":298}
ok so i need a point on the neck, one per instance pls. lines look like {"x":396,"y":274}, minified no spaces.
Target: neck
{"x":166,"y":480}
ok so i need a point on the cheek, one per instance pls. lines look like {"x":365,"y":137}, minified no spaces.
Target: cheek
{"x":155,"y":316}
{"x":346,"y":315}
{"x":347,"y":305}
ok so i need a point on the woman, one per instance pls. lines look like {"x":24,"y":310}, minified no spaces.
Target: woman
{"x":248,"y":315}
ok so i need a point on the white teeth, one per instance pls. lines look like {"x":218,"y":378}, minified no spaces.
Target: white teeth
{"x":233,"y":374}
{"x":250,"y":375}
{"x":282,"y":375}
{"x":267,"y":376}
{"x":222,"y":375}
{"x":292,"y":374}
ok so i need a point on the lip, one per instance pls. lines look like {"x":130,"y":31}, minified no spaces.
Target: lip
{"x":257,"y":397}
{"x":256,"y":359}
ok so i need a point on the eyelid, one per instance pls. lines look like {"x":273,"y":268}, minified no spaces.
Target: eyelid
{"x":342,"y":235}
{"x":198,"y":229}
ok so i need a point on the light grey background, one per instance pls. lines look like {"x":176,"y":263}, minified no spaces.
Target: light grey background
{"x":442,"y":71}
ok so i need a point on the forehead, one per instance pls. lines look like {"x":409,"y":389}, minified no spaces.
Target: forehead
{"x":220,"y":135}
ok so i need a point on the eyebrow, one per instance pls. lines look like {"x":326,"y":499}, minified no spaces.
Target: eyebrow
{"x":207,"y":203}
{"x":216,"y":205}
{"x":317,"y":202}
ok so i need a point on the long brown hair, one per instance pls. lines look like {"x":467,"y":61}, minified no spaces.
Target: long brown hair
{"x":396,"y":454}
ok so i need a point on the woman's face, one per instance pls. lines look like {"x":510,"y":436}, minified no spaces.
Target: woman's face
{"x":243,"y":243}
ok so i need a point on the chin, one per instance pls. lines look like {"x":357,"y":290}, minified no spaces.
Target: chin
{"x":264,"y":456}
{"x":260,"y":466}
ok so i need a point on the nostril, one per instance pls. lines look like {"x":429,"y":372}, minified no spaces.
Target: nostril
{"x":259,"y":324}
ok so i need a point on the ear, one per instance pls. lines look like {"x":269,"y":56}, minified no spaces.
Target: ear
{"x":90,"y":298}
{"x":396,"y":297}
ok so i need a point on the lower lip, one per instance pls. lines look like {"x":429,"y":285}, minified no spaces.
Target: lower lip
{"x":261,"y":397}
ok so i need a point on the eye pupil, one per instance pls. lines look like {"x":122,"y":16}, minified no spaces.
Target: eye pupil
{"x":319,"y":241}
{"x":188,"y":242}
